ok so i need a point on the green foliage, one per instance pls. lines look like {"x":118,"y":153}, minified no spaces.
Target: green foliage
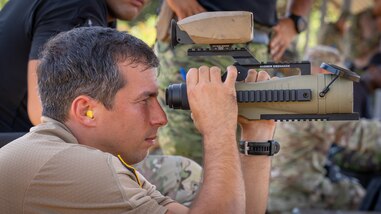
{"x":143,"y":26}
{"x":144,"y":30}
{"x":333,"y":12}
{"x":2,"y":3}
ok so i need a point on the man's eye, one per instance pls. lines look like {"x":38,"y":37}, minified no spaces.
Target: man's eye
{"x":145,"y":101}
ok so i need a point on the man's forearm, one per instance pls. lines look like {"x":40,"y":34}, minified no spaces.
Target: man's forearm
{"x":214,"y":109}
{"x":299,"y":7}
{"x":256,"y":169}
{"x":222,"y":190}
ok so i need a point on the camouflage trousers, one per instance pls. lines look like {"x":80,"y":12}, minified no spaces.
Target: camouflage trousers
{"x":299,"y":174}
{"x":179,"y":136}
{"x":174,"y":176}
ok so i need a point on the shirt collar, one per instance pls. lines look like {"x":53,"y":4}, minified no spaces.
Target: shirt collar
{"x":53,"y":127}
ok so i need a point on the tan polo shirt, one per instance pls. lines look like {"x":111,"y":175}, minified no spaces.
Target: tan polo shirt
{"x":47,"y":171}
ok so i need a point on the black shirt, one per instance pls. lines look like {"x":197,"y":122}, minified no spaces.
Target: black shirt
{"x":25,"y":26}
{"x":264,"y":11}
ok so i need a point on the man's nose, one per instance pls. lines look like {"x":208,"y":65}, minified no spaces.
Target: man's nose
{"x":158,"y":116}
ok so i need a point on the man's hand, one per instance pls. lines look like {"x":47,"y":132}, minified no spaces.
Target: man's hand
{"x":185,"y":8}
{"x":212,"y":102}
{"x":284,"y":33}
{"x":255,"y":129}
{"x":285,"y":30}
{"x":214,"y":107}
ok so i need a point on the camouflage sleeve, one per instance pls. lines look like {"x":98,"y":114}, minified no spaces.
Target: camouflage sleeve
{"x":298,"y":176}
{"x":174,"y":176}
{"x":361,"y":145}
{"x":328,"y":29}
{"x":357,"y":44}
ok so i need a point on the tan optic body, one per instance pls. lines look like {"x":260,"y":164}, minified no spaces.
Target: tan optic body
{"x":339,"y":100}
{"x":219,"y":27}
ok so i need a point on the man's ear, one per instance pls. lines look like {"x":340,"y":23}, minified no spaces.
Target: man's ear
{"x":84,"y":110}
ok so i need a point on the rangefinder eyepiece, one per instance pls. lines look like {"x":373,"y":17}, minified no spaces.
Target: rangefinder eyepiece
{"x":176,"y":96}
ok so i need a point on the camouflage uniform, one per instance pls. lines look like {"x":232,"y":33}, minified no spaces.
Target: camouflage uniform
{"x":362,"y":39}
{"x":179,"y":136}
{"x":330,"y":35}
{"x":298,"y":177}
{"x":173,"y":176}
{"x":361,"y":143}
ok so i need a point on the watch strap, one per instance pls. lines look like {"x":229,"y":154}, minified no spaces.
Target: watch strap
{"x":297,"y":19}
{"x":269,"y":148}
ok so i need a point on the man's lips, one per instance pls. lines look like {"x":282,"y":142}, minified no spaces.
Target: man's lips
{"x":151,"y":140}
{"x":138,"y":3}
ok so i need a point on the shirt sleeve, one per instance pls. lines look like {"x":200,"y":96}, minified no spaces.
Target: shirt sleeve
{"x":53,"y":17}
{"x":145,"y":199}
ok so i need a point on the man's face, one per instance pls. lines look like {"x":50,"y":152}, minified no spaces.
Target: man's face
{"x":125,"y":9}
{"x":130,"y":127}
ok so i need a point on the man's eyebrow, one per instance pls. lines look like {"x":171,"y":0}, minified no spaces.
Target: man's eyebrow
{"x":149,"y":94}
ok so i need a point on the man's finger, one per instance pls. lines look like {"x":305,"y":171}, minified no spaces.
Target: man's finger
{"x":203,"y":74}
{"x":275,"y":50}
{"x":278,"y":55}
{"x":231,"y":76}
{"x":263,"y":75}
{"x":275,"y":40}
{"x":251,"y":75}
{"x":215,"y":74}
{"x":192,"y":77}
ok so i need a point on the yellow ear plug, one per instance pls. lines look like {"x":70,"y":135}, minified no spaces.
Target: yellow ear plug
{"x":90,"y":114}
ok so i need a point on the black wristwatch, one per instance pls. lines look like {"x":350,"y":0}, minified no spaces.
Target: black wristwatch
{"x":299,"y":22}
{"x":269,"y":148}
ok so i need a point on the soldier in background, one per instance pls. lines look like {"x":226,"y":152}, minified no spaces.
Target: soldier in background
{"x":363,"y":37}
{"x":332,"y":33}
{"x":299,"y":177}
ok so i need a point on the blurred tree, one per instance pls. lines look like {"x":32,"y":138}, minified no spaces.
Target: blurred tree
{"x":143,"y":26}
{"x":2,"y":3}
{"x":149,"y":11}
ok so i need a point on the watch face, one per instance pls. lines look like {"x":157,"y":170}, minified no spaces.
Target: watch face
{"x":301,"y":25}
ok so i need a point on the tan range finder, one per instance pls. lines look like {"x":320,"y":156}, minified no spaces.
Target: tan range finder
{"x":301,"y":97}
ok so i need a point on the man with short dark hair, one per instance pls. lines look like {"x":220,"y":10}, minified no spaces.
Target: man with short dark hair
{"x":101,"y":115}
{"x":25,"y":27}
{"x":37,"y":22}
